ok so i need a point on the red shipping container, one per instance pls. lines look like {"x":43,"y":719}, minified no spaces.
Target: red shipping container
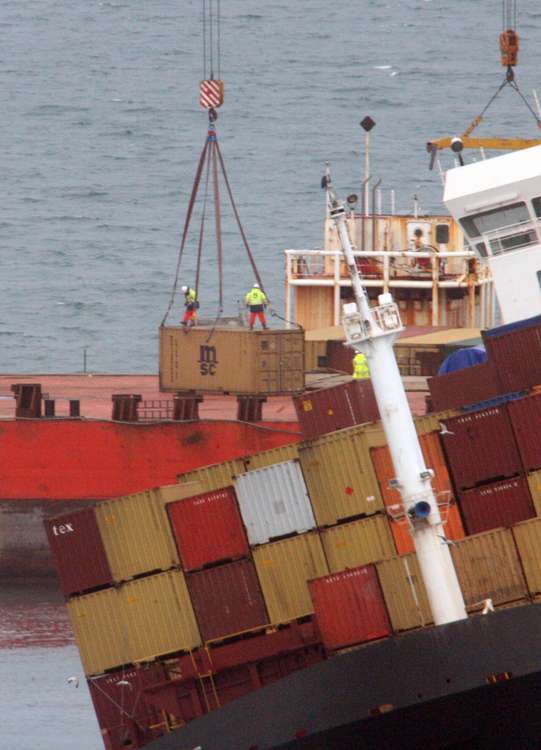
{"x":515,"y":350}
{"x":227,"y":599}
{"x":349,"y":607}
{"x":331,"y":409}
{"x":340,"y":357}
{"x":467,"y":386}
{"x":480,"y":446}
{"x":525,"y":414}
{"x":75,"y":541}
{"x":208,"y":528}
{"x":494,"y":505}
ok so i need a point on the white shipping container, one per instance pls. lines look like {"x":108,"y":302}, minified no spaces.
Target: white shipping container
{"x":274,"y":501}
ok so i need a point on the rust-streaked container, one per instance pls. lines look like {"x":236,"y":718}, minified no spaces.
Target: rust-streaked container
{"x":208,"y":528}
{"x":434,"y":459}
{"x":330,"y":409}
{"x":349,"y":607}
{"x":481,"y":447}
{"x":213,"y":477}
{"x":498,"y":504}
{"x":273,"y":456}
{"x":527,"y":536}
{"x":284,"y":568}
{"x":467,"y":386}
{"x":488,"y":567}
{"x":404,"y":592}
{"x":340,"y":477}
{"x":221,"y":359}
{"x":515,"y":350}
{"x":349,"y":545}
{"x":525,"y":415}
{"x":77,"y":547}
{"x":534,"y":483}
{"x":227,"y":599}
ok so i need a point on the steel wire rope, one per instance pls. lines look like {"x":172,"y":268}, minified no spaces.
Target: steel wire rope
{"x":211,"y":41}
{"x":219,"y":39}
{"x":218,"y":225}
{"x":204,"y":23}
{"x":202,"y":227}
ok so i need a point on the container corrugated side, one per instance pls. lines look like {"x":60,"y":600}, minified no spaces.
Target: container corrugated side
{"x":534,"y":483}
{"x":208,"y":528}
{"x":227,"y":599}
{"x":160,"y":616}
{"x":101,"y":630}
{"x":213,"y":477}
{"x":284,"y":568}
{"x":516,"y":354}
{"x":487,"y":566}
{"x":349,"y":607}
{"x":525,"y":415}
{"x":527,"y":537}
{"x":136,"y":535}
{"x":404,"y":592}
{"x":273,"y":456}
{"x":274,"y":502}
{"x":77,"y":547}
{"x":497,"y":504}
{"x":467,"y":386}
{"x":349,"y":545}
{"x":340,"y":477}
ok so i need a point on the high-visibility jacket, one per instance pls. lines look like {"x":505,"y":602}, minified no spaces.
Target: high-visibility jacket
{"x":256,"y":297}
{"x":360,"y":367}
{"x":190,"y":296}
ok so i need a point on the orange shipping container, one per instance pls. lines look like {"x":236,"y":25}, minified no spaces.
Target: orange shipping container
{"x":435,"y":460}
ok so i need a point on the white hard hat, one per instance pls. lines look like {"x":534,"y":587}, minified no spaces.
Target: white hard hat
{"x":184,"y":289}
{"x":256,"y":285}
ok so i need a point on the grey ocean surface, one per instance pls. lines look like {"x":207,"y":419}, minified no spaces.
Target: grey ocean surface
{"x":100,"y":134}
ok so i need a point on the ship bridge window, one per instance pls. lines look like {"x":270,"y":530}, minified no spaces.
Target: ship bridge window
{"x":536,"y":202}
{"x":502,"y":229}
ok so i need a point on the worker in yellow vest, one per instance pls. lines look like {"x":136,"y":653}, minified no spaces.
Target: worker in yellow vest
{"x":256,"y":300}
{"x":191,"y":304}
{"x":360,"y":367}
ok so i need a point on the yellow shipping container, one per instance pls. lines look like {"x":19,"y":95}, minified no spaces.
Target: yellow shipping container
{"x":99,"y":623}
{"x":534,"y":482}
{"x":339,"y":475}
{"x":358,"y":543}
{"x":404,"y":592}
{"x":273,"y":456}
{"x":488,"y":567}
{"x":222,"y":359}
{"x":527,"y":535}
{"x":215,"y":476}
{"x":284,"y":568}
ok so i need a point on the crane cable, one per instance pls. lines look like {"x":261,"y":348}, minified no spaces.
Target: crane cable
{"x":212,"y":38}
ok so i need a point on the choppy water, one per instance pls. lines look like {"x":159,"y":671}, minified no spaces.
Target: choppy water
{"x":100,"y":131}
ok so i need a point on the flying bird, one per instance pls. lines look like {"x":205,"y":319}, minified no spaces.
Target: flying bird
{"x":444,"y":430}
{"x":73,"y":681}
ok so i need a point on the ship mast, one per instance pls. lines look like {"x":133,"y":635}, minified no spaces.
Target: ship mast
{"x":372,"y":331}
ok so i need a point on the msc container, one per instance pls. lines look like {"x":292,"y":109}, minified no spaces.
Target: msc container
{"x":208,"y":528}
{"x":288,"y":452}
{"x":349,"y":545}
{"x":488,"y":567}
{"x":480,"y":447}
{"x":77,"y":547}
{"x":534,"y":483}
{"x":274,"y":502}
{"x":515,"y":350}
{"x":467,"y":386}
{"x":331,"y":409}
{"x":527,"y":536}
{"x":340,"y":477}
{"x":222,"y":359}
{"x":525,"y":414}
{"x":284,"y":568}
{"x":502,"y":503}
{"x":404,"y":592}
{"x":215,"y":476}
{"x":435,"y":460}
{"x":227,"y":599}
{"x":349,"y":607}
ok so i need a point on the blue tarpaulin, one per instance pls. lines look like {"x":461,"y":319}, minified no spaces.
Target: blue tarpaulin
{"x":473,"y":355}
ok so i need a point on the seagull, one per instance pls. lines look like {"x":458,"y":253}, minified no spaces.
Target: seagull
{"x":444,"y":430}
{"x":489,"y":607}
{"x":73,"y":681}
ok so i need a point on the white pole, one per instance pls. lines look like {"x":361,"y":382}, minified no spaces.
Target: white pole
{"x":373,"y":331}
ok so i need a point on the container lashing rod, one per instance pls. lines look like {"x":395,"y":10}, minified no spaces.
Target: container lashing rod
{"x":372,"y":331}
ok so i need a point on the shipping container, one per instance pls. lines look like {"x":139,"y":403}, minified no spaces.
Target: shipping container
{"x":330,"y":409}
{"x":349,"y":545}
{"x":284,"y":568}
{"x":435,"y":460}
{"x":339,"y":357}
{"x":213,"y":477}
{"x":495,"y":505}
{"x":525,"y":414}
{"x":480,"y":447}
{"x":467,"y":386}
{"x":488,"y":567}
{"x":227,"y":599}
{"x":404,"y":592}
{"x":208,"y":528}
{"x":77,"y":547}
{"x":349,"y":607}
{"x":274,"y":502}
{"x":222,"y":359}
{"x":315,"y":355}
{"x":273,"y":456}
{"x":527,"y":536}
{"x":534,"y":483}
{"x":340,"y":477}
{"x":515,"y":350}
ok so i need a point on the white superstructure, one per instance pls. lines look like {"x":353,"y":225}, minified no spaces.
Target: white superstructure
{"x":498,"y":205}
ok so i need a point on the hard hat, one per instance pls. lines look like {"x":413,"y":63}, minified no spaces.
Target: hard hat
{"x":256,"y":285}
{"x":184,"y":289}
